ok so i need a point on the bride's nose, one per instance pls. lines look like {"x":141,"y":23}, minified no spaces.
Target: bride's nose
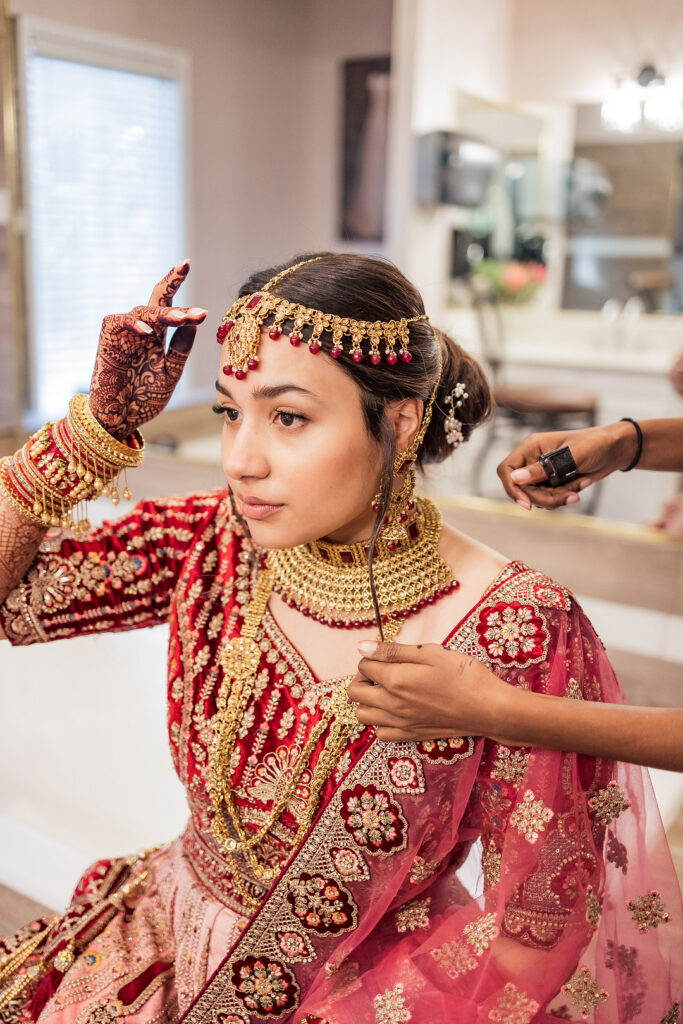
{"x":244,"y":453}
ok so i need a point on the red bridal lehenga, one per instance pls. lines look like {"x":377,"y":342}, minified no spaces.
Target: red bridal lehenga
{"x":454,"y":880}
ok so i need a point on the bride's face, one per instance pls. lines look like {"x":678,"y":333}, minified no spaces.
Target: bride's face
{"x":296,"y":450}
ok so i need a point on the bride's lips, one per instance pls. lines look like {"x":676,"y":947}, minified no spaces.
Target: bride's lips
{"x":257,"y":508}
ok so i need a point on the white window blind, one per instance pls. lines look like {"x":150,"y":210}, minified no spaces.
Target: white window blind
{"x":104,"y":157}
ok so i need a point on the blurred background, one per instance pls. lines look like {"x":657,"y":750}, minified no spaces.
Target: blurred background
{"x":521,"y":161}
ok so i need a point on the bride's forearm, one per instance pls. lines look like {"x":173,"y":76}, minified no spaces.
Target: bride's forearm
{"x":639,"y":735}
{"x":19,"y":542}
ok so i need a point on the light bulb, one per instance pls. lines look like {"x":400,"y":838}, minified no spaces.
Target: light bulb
{"x":662,"y":107}
{"x":621,"y":111}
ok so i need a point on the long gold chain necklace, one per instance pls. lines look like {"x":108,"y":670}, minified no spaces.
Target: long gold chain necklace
{"x":414,"y":577}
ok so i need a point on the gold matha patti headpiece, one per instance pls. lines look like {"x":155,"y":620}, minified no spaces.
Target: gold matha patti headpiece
{"x":243,"y":323}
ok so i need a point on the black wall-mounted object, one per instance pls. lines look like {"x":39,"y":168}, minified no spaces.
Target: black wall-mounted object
{"x":454,"y":169}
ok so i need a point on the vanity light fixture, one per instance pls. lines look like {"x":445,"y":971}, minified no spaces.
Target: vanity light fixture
{"x":645,"y":98}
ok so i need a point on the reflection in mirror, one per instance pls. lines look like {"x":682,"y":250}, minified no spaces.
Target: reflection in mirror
{"x":625,"y":230}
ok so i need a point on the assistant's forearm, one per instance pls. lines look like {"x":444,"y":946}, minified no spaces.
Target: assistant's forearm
{"x":19,"y":542}
{"x":662,"y":444}
{"x":647,"y":736}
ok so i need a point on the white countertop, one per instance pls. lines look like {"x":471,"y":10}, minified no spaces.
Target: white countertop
{"x":576,"y":339}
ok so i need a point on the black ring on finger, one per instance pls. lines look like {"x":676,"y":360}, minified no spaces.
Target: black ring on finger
{"x":559,"y":466}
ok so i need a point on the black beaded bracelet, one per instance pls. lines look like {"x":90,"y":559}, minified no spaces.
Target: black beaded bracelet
{"x":639,"y":445}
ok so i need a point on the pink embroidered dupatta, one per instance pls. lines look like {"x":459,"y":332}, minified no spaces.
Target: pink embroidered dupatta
{"x":463,"y":881}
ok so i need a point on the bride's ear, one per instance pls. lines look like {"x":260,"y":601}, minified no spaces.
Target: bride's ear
{"x":405,"y":416}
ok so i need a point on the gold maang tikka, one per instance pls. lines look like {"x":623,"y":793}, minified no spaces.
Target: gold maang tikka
{"x":241,"y":327}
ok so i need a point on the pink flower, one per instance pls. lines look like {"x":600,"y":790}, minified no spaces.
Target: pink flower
{"x":515,"y":276}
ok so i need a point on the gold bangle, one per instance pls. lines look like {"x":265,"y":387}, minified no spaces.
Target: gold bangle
{"x":12,"y":497}
{"x":94,"y":435}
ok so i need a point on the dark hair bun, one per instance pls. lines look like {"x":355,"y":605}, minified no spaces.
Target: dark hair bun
{"x":458,"y":367}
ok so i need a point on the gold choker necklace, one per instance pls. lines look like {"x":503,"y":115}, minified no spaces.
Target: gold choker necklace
{"x":330,"y":582}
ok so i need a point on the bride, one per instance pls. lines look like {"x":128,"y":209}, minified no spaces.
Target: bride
{"x":325,"y":876}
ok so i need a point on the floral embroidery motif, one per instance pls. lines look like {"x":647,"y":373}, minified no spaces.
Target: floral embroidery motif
{"x":295,"y":946}
{"x":572,"y":879}
{"x":373,"y":819}
{"x":349,"y":863}
{"x":530,"y":817}
{"x":421,"y":869}
{"x":513,"y":633}
{"x":585,"y":992}
{"x":573,"y":691}
{"x":481,"y":933}
{"x":510,"y":765}
{"x":593,"y":908}
{"x":413,"y":915}
{"x":443,"y":751}
{"x":608,"y":803}
{"x":648,"y":911}
{"x":454,"y":958}
{"x":273,"y":775}
{"x":490,"y":862}
{"x":513,"y":1007}
{"x":321,"y":905}
{"x":616,"y":852}
{"x":390,"y":1008}
{"x":405,"y":775}
{"x":551,"y":596}
{"x":265,"y":986}
{"x":673,"y":1016}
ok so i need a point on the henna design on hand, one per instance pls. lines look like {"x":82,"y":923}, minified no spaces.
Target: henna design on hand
{"x":19,"y":542}
{"x":135,"y":374}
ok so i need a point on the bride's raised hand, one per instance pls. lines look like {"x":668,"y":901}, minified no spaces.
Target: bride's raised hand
{"x":135,"y":373}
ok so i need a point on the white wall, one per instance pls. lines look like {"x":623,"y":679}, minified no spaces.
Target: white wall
{"x":336,"y":31}
{"x":573,"y":51}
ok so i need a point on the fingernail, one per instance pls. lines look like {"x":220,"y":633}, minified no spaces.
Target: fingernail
{"x":184,"y":264}
{"x":520,"y":476}
{"x":367,"y":648}
{"x":142,"y":326}
{"x":177,"y":314}
{"x":526,"y":505}
{"x":584,"y":484}
{"x":196,"y":311}
{"x":572,"y":499}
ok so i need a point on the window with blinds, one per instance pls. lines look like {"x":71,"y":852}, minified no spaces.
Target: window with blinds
{"x":105,"y":197}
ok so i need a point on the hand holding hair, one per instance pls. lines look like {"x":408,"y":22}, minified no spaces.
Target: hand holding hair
{"x":420,"y":692}
{"x":427,"y":692}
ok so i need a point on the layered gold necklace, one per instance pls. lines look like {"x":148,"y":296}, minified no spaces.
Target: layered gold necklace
{"x":333,"y":587}
{"x":330,"y":582}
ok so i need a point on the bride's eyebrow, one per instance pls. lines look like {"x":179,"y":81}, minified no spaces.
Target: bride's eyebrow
{"x":271,"y":391}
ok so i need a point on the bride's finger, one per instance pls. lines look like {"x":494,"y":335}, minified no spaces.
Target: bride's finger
{"x":165,"y":316}
{"x":164,"y":292}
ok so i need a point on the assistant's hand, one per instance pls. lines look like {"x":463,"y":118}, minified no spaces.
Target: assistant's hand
{"x":135,"y":375}
{"x":597,"y":451}
{"x":426,"y":692}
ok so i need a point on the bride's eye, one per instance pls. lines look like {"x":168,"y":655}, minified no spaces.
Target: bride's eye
{"x":225,"y":410}
{"x":290,"y":419}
